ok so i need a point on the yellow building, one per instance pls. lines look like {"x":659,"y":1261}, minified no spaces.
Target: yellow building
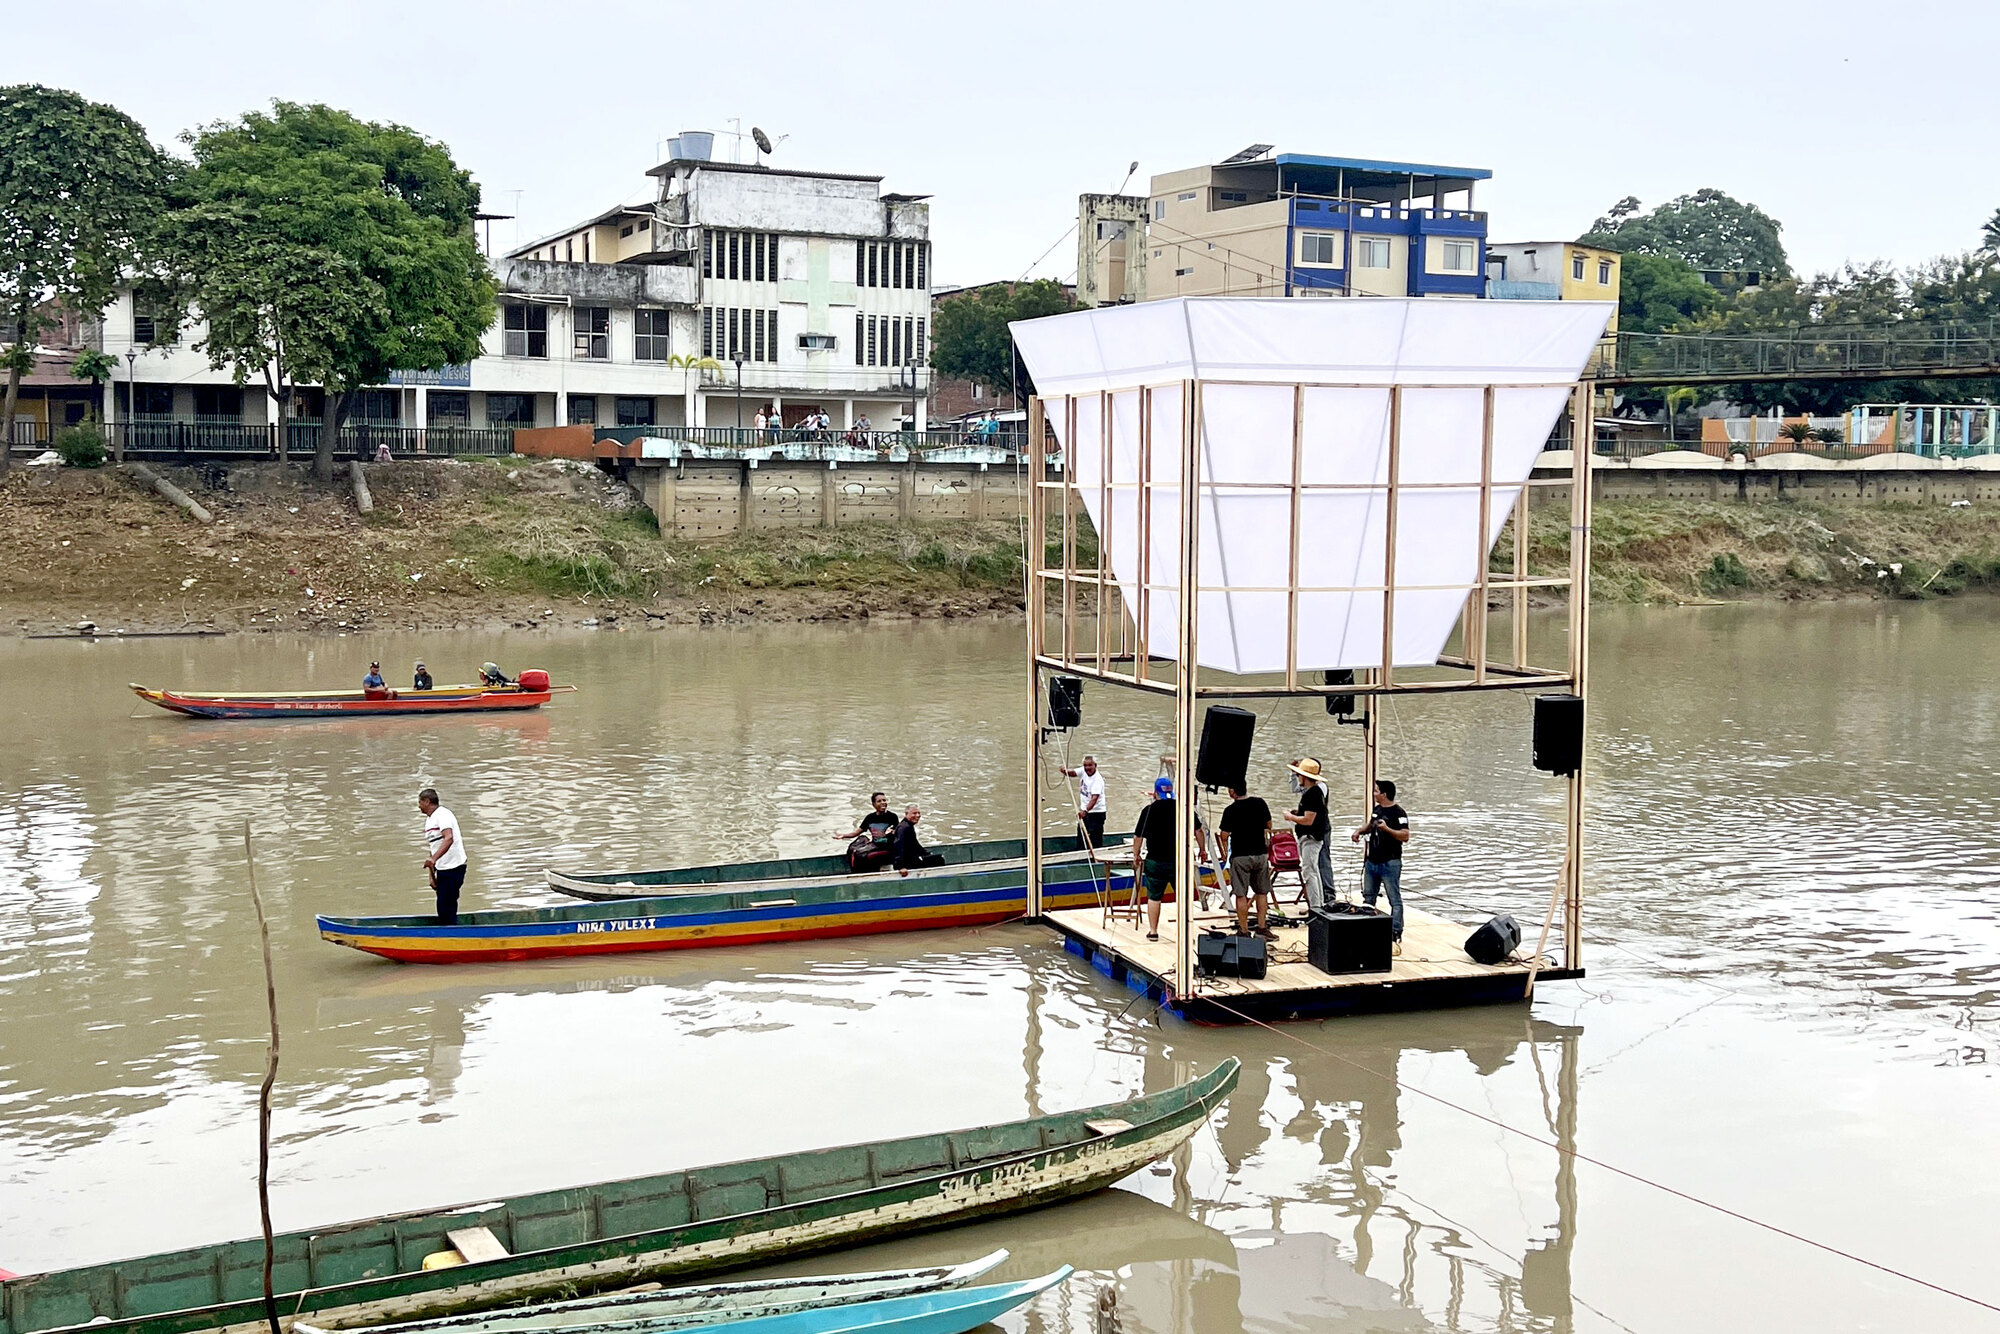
{"x":1553,"y":271}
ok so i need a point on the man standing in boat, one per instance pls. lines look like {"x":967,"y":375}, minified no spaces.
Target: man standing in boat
{"x":1090,"y":808}
{"x":446,"y":863}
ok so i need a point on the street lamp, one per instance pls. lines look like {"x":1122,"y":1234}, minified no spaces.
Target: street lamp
{"x":119,"y":438}
{"x":739,"y":397}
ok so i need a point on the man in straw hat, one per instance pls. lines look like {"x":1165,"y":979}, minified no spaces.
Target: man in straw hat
{"x":1310,"y":819}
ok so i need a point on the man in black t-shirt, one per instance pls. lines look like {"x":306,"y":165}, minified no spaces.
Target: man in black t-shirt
{"x":1387,"y":830}
{"x":909,"y":850}
{"x":1313,"y":824}
{"x":1244,"y":837}
{"x":1153,"y":851}
{"x":869,"y":840}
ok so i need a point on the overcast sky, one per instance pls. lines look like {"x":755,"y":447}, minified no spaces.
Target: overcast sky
{"x":1868,"y":131}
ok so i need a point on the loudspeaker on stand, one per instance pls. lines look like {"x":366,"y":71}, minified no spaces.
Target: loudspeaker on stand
{"x":1224,"y":757}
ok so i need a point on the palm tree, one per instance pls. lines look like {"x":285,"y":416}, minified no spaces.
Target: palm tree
{"x":689,"y":363}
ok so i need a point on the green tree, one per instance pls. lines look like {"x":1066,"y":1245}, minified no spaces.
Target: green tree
{"x":1657,"y":293}
{"x":96,"y":367}
{"x":969,"y":337}
{"x":80,"y":189}
{"x":323,"y":248}
{"x":1707,"y":230}
{"x":1989,"y":235}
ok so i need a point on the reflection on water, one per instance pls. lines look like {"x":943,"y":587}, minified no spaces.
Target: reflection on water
{"x":1791,"y":953}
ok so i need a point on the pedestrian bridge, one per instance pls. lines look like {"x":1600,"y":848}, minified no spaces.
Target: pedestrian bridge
{"x":1953,"y":349}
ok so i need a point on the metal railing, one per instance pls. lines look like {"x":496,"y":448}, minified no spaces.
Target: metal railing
{"x":835,"y":443}
{"x":181,"y":438}
{"x":1916,"y":349}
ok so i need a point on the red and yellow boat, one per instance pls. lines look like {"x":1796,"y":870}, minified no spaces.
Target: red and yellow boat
{"x":530,"y":692}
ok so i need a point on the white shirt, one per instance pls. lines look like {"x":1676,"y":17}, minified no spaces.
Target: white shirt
{"x":1088,"y":786}
{"x":435,"y":825}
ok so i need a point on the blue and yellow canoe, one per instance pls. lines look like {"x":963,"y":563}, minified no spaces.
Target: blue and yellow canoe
{"x":805,"y":910}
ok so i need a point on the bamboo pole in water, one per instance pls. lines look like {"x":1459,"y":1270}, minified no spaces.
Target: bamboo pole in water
{"x":264,"y":1094}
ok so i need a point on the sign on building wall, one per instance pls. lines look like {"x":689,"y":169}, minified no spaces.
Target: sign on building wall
{"x":451,"y":377}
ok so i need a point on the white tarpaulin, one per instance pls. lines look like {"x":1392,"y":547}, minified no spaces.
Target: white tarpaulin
{"x":1444,"y":352}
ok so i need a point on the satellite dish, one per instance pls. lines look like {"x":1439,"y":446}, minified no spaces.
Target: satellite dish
{"x":761,"y":139}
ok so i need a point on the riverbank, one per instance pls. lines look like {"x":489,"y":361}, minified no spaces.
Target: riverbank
{"x":510,"y":543}
{"x":472,"y":544}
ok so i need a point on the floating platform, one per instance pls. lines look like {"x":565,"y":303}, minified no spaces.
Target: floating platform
{"x":1434,"y":971}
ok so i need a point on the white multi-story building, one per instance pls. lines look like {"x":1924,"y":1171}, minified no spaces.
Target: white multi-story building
{"x":807,"y":291}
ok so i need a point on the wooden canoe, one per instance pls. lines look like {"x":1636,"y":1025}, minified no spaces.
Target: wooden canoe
{"x":997,"y":854}
{"x":589,"y":1239}
{"x":956,"y":1312}
{"x":346,"y":703}
{"x":681,"y":1308}
{"x":807,"y":910}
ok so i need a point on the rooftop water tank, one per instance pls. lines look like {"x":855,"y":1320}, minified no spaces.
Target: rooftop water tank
{"x":695,"y":145}
{"x":674,"y":149}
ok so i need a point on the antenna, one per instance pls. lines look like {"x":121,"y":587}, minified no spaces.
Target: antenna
{"x":761,"y":139}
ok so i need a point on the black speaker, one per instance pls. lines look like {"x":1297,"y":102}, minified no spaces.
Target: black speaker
{"x":1341,"y":706}
{"x":1492,"y":943}
{"x":1224,"y":758}
{"x":1217,"y":955}
{"x":1065,"y":702}
{"x":1558,"y":733}
{"x":1348,"y":942}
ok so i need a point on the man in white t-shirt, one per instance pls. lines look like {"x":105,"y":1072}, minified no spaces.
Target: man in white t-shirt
{"x":1090,"y":809}
{"x":446,"y":862}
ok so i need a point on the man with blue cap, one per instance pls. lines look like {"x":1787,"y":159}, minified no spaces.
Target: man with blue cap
{"x":1153,"y":851}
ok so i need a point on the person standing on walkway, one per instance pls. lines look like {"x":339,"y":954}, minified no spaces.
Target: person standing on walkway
{"x":1090,"y":809}
{"x":1387,"y":830}
{"x":1244,"y":839}
{"x":1153,"y":852}
{"x":1313,"y":825}
{"x":446,"y":863}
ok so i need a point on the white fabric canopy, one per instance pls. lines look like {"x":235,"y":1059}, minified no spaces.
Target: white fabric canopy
{"x":1444,"y":352}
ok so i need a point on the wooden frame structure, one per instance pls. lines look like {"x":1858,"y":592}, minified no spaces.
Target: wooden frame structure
{"x":1108,"y":641}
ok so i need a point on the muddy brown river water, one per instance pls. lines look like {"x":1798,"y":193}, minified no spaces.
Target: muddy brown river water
{"x":1792,"y":947}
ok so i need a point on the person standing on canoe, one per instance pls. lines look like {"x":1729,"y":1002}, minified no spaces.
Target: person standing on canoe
{"x":1090,"y":810}
{"x":423,"y":677}
{"x":446,"y":863}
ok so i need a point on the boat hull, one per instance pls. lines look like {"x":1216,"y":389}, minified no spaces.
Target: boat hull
{"x":709,"y":921}
{"x":590,"y":1239}
{"x":344,"y":704}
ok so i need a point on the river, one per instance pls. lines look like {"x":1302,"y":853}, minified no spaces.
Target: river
{"x":1791,"y":929}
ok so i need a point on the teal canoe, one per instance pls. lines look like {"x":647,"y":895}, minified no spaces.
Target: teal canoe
{"x":591,"y":1239}
{"x":925,"y":1313}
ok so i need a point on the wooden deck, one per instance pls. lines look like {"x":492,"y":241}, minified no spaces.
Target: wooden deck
{"x":1434,"y":971}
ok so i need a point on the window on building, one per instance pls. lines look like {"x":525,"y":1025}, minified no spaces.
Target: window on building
{"x":154,"y":320}
{"x":708,"y":254}
{"x":771,"y":319}
{"x":593,"y":332}
{"x":902,"y":263}
{"x":860,"y":322}
{"x":635,"y":412}
{"x":874,"y":333}
{"x":1576,"y":267}
{"x":978,"y":391}
{"x":757,"y":343}
{"x":812,"y":342}
{"x":510,"y":409}
{"x":1185,"y":196}
{"x":1319,"y":248}
{"x":526,"y":331}
{"x":861,"y":264}
{"x":918,"y":355}
{"x":708,"y":331}
{"x":1604,"y":273}
{"x":370,"y":405}
{"x":735,"y":334}
{"x":1183,"y":273}
{"x":153,"y":400}
{"x":895,"y":342}
{"x":221,"y":402}
{"x":758,"y":243}
{"x":1460,"y":256}
{"x":650,"y":335}
{"x":569,"y":251}
{"x":625,"y":231}
{"x":645,"y":224}
{"x":583,"y":409}
{"x":1159,"y":209}
{"x":874,"y":258}
{"x":1372,"y":252}
{"x":448,"y":407}
{"x":586,"y":247}
{"x":924,"y":267}
{"x":1232,"y":196}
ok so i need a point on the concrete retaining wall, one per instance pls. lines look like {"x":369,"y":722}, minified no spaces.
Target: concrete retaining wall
{"x":717,"y":498}
{"x":1820,"y":487}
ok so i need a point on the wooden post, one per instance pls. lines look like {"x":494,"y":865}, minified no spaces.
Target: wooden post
{"x":1031,"y":556}
{"x":1187,"y":871}
{"x":1475,"y":623}
{"x":1389,"y":501}
{"x":264,"y":1092}
{"x":1292,"y":547}
{"x":1581,"y":433}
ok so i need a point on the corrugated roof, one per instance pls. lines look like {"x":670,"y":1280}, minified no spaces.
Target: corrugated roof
{"x":1388,"y":168}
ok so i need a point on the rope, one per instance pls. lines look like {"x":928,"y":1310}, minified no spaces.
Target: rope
{"x":1599,"y":1163}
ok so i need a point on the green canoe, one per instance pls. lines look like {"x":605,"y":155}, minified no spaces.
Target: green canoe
{"x":591,"y":1238}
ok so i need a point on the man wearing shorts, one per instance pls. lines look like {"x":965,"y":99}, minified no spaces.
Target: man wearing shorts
{"x":1153,"y":851}
{"x":1244,"y":838}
